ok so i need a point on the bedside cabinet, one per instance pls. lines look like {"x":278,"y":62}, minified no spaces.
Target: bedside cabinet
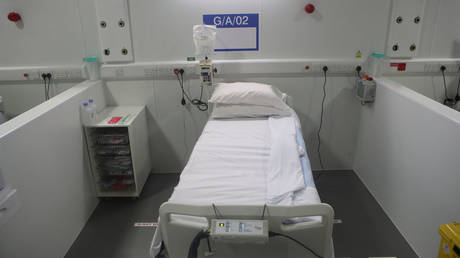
{"x":118,"y":147}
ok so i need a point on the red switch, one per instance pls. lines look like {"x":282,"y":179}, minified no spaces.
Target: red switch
{"x":26,"y":75}
{"x":401,"y":67}
{"x":309,"y":8}
{"x":14,"y":17}
{"x":307,"y":67}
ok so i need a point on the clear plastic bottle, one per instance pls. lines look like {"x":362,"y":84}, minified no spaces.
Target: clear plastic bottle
{"x":92,"y":109}
{"x":85,"y":114}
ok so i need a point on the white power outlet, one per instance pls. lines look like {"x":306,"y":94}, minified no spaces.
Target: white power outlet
{"x":436,"y":68}
{"x":75,"y":74}
{"x":60,"y":75}
{"x":452,"y":68}
{"x":148,"y":72}
{"x":432,"y":68}
{"x":317,"y":68}
{"x":168,"y":70}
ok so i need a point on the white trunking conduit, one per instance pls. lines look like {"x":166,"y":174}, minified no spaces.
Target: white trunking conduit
{"x":337,"y":67}
{"x":33,"y":73}
{"x":142,"y":70}
{"x":312,"y":67}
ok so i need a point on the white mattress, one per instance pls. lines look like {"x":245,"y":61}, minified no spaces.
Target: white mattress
{"x":233,"y":163}
{"x":229,"y":165}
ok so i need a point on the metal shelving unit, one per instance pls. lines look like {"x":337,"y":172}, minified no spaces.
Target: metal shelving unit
{"x":119,"y":151}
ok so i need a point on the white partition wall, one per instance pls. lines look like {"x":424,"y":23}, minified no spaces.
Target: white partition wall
{"x":20,"y":97}
{"x":43,"y":156}
{"x":431,"y":86}
{"x":408,"y":156}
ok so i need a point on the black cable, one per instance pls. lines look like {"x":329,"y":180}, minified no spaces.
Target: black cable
{"x":201,"y":105}
{"x":195,"y":244}
{"x":48,"y":76}
{"x":209,"y":244}
{"x":358,"y":71}
{"x":273,"y":234}
{"x":443,"y":68}
{"x":216,"y":211}
{"x":263,"y":212}
{"x":181,"y":84}
{"x":457,"y":97}
{"x":47,"y":92}
{"x":46,"y":86}
{"x":161,"y":252}
{"x":318,"y":150}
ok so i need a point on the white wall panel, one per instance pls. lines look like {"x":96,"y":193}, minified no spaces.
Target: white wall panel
{"x":162,"y":32}
{"x":430,"y":86}
{"x":30,"y":95}
{"x":407,"y":156}
{"x":446,"y":38}
{"x":50,"y":33}
{"x":44,"y":157}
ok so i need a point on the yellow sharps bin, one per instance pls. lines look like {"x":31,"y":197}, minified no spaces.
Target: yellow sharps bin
{"x":450,"y":241}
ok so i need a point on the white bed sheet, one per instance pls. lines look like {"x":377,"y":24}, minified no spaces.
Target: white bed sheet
{"x":229,"y":165}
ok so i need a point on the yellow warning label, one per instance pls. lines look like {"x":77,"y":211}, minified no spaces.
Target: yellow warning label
{"x":358,"y":54}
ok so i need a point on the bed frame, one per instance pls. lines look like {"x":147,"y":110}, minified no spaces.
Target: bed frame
{"x":317,"y":235}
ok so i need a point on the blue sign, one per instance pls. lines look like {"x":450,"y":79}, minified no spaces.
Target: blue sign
{"x":235,"y":32}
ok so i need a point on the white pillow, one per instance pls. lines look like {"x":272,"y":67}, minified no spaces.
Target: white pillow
{"x":248,"y":93}
{"x":244,"y":110}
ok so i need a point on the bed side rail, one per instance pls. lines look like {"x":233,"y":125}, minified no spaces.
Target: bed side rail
{"x":316,"y":233}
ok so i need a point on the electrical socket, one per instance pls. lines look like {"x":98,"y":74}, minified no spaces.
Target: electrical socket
{"x":342,"y":68}
{"x":336,"y":68}
{"x":188,"y":70}
{"x":40,"y":73}
{"x":317,"y":68}
{"x":60,"y":75}
{"x":75,"y":74}
{"x":163,"y":69}
{"x":34,"y":75}
{"x":452,"y":68}
{"x":436,"y":68}
{"x":148,"y":72}
{"x":432,"y":68}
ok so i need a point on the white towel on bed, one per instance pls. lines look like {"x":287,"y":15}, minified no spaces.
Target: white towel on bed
{"x":284,"y":175}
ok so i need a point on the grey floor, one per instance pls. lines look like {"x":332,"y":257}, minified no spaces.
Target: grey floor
{"x":365,"y":229}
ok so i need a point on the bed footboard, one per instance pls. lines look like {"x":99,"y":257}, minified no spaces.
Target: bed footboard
{"x":315,"y":233}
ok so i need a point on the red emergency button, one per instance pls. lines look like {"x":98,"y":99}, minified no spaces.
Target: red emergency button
{"x":309,"y":8}
{"x":14,"y":17}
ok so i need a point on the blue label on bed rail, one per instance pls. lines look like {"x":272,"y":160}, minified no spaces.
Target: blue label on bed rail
{"x":235,"y":32}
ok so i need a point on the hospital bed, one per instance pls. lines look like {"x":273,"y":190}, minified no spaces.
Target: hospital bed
{"x":247,"y":169}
